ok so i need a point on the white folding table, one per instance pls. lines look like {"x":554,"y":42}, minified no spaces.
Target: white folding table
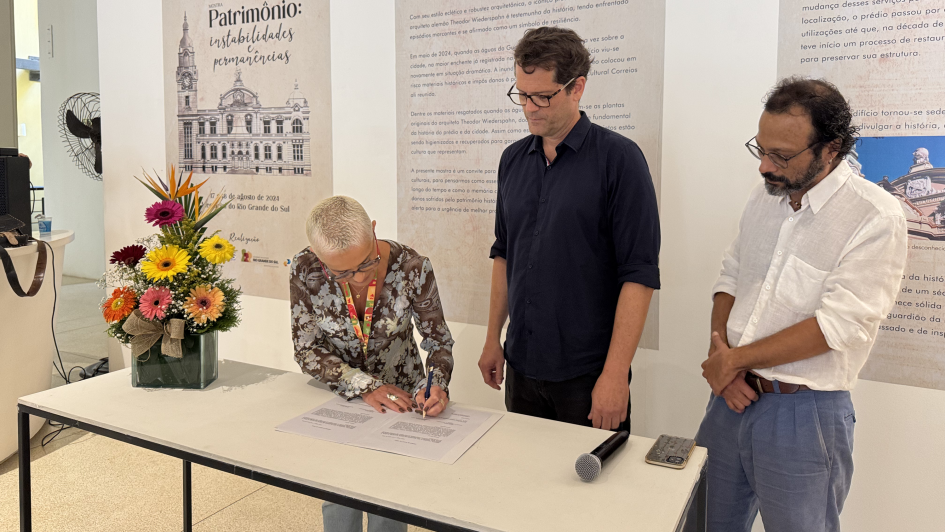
{"x":518,"y":477}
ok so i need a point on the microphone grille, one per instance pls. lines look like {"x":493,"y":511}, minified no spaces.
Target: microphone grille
{"x":587,"y":467}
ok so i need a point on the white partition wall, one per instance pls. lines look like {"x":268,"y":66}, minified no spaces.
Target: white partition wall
{"x":70,"y":66}
{"x":720,"y":59}
{"x":132,"y":93}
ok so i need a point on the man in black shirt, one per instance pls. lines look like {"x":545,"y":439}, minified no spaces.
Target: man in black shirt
{"x":575,"y":260}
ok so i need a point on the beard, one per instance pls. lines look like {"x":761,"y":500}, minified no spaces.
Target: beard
{"x":789,"y":187}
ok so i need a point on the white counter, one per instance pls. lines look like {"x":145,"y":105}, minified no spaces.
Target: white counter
{"x":26,"y":344}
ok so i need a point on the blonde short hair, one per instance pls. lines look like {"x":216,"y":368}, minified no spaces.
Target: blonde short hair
{"x":337,"y":224}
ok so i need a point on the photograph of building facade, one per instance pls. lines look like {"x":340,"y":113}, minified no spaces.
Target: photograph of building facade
{"x":239,"y":136}
{"x":921,"y":193}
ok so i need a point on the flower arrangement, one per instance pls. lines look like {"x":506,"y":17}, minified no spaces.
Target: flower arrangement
{"x":175,"y":274}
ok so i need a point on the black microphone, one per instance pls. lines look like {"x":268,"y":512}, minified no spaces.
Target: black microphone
{"x":588,"y":465}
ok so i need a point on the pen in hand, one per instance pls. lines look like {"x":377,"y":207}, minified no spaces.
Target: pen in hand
{"x":426,"y":394}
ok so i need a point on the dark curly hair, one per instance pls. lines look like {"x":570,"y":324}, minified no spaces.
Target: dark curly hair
{"x":553,"y":48}
{"x":828,"y":110}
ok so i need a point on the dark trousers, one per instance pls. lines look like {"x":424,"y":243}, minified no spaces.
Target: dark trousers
{"x":568,"y":401}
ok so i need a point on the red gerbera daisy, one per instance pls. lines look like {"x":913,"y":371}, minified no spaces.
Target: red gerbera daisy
{"x":128,"y":255}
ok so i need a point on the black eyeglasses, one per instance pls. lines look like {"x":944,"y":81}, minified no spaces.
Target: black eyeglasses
{"x":363,"y":267}
{"x":541,"y":100}
{"x":778,"y":160}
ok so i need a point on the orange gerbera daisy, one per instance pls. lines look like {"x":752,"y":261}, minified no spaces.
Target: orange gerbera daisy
{"x":205,"y":303}
{"x":120,"y":305}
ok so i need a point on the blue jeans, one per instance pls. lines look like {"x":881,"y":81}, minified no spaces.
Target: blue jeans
{"x":788,"y":455}
{"x":338,"y":518}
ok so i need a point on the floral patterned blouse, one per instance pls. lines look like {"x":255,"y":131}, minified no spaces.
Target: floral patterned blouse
{"x":327,"y":348}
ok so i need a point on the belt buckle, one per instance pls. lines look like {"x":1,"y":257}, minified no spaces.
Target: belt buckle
{"x":757,"y":381}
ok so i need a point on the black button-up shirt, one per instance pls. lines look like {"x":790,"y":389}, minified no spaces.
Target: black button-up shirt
{"x":572,"y":233}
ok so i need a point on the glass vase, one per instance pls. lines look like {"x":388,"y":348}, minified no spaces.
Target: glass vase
{"x":196,"y":369}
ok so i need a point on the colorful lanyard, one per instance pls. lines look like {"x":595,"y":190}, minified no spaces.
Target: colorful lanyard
{"x":364,"y":333}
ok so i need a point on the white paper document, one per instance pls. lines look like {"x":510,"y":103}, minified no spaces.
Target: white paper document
{"x":442,"y":439}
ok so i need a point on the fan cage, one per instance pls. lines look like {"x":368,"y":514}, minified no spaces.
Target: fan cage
{"x":85,"y":106}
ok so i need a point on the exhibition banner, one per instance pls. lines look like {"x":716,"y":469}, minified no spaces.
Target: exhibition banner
{"x":886,"y":57}
{"x":454,"y":119}
{"x":248,"y":104}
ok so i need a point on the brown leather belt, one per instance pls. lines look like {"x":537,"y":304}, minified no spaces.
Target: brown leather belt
{"x":763,"y":385}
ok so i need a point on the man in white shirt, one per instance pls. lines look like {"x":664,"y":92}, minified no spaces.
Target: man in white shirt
{"x":815,"y":266}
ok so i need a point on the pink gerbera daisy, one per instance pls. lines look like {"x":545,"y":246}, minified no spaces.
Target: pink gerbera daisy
{"x":164,"y":213}
{"x":154,"y":302}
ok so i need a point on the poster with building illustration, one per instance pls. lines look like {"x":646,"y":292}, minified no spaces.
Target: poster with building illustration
{"x":248,"y":105}
{"x":886,"y":58}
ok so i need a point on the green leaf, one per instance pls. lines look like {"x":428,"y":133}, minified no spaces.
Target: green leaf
{"x":153,"y":191}
{"x":210,"y":216}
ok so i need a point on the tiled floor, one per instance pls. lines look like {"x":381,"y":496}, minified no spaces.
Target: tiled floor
{"x":79,"y":326}
{"x":86,"y":482}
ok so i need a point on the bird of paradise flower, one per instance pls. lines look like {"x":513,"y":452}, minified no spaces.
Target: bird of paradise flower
{"x":181,"y":191}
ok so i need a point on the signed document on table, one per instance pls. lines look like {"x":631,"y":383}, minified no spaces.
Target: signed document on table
{"x":441,"y":439}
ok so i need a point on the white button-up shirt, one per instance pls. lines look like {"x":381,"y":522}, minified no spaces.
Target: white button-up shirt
{"x":840,"y":258}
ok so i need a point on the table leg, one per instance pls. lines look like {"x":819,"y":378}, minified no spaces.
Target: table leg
{"x":188,"y":500}
{"x":26,"y":510}
{"x":702,"y":502}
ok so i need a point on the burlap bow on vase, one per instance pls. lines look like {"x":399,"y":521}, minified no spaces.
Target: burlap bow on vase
{"x":145,"y":333}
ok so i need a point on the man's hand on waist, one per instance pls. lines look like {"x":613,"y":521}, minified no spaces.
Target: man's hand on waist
{"x":738,"y":395}
{"x":721,"y":368}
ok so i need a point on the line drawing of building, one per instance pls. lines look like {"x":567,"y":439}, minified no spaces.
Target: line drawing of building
{"x":239,"y":136}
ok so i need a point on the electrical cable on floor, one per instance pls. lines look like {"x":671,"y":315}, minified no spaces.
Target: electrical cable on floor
{"x":73,"y":368}
{"x":52,"y":321}
{"x":52,"y":435}
{"x":61,"y":367}
{"x":84,"y":373}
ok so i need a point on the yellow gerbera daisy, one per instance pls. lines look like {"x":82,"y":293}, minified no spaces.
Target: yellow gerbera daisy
{"x":204,"y":303}
{"x":216,"y":250}
{"x":165,"y":262}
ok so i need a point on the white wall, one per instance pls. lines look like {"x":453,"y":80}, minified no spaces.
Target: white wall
{"x":720,"y":61}
{"x":130,"y":74}
{"x":74,"y":200}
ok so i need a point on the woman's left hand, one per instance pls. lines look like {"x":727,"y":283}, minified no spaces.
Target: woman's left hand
{"x":435,"y":404}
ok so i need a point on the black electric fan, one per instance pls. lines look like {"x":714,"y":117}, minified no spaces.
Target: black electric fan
{"x":80,"y":124}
